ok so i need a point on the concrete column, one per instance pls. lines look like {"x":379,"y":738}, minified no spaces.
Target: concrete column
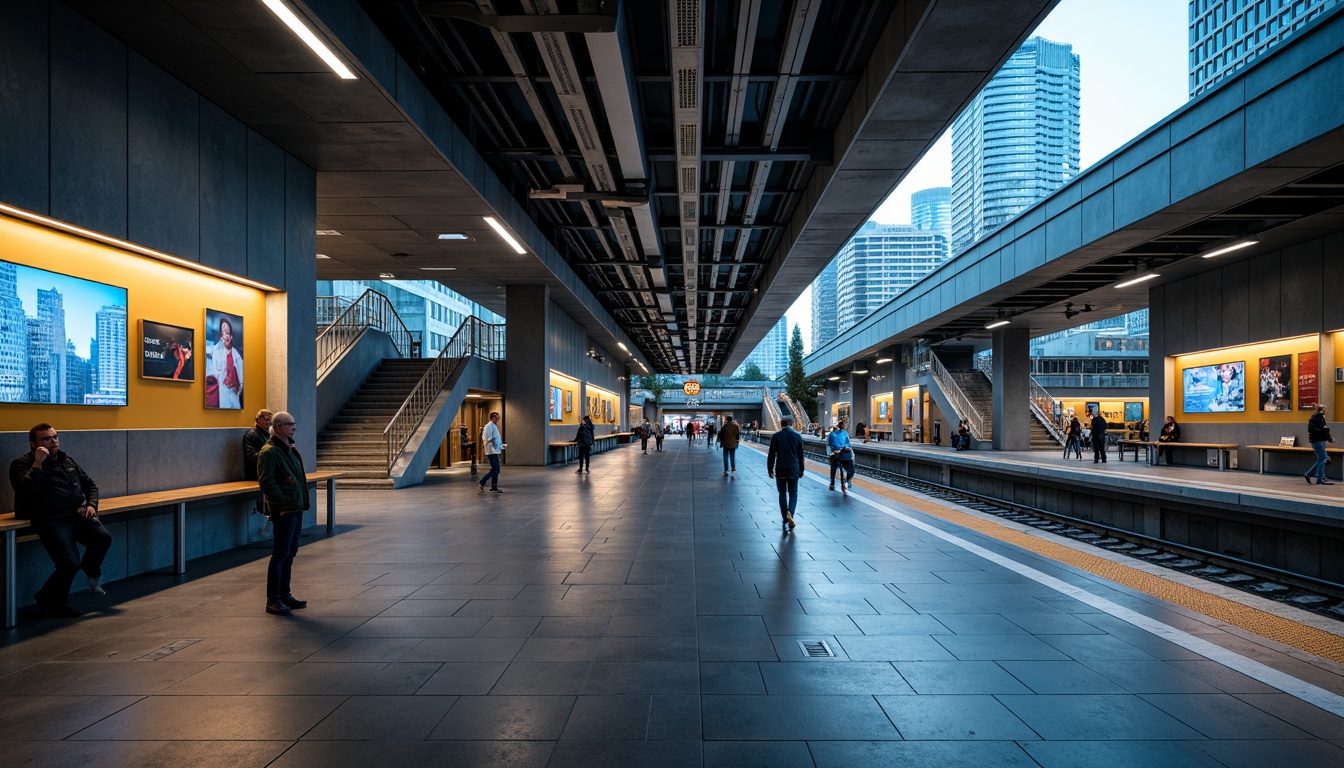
{"x":859,"y":404}
{"x":1012,"y":388}
{"x":832,"y":397}
{"x":527,"y":375}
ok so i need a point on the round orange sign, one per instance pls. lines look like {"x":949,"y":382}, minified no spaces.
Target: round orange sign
{"x":691,"y":387}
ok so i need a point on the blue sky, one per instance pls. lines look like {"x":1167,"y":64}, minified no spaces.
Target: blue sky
{"x":81,"y":299}
{"x":1134,"y":59}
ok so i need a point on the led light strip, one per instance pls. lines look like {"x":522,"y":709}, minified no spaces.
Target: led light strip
{"x":305,"y":34}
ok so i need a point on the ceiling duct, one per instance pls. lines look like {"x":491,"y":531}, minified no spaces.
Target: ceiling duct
{"x":686,"y":27}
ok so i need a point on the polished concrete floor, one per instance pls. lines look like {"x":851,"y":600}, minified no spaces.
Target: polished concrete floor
{"x":652,"y":613}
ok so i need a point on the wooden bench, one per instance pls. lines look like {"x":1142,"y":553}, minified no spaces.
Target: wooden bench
{"x":115,"y":506}
{"x":1135,"y":444}
{"x":567,"y":448}
{"x":1222,"y":448}
{"x":1301,"y":449}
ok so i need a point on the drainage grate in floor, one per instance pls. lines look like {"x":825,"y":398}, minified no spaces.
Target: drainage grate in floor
{"x":167,"y":650}
{"x":816,"y":649}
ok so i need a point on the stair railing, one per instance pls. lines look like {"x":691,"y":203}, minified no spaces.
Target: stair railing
{"x":799,"y":415}
{"x":370,"y":310}
{"x":770,"y":408}
{"x":1044,"y":406}
{"x":954,"y":393}
{"x":474,"y":338}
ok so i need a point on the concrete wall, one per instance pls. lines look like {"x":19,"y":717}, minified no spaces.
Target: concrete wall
{"x":95,"y":135}
{"x":1291,"y":292}
{"x":354,"y":368}
{"x":568,"y":345}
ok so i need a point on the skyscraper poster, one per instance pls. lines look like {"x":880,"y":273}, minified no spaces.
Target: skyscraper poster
{"x":62,"y":338}
{"x":1308,"y":381}
{"x":223,"y":360}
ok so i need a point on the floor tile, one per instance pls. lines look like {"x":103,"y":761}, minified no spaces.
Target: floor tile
{"x":1096,"y":718}
{"x":786,"y":717}
{"x":214,"y":718}
{"x":505,"y":718}
{"x":383,"y":718}
{"x":954,"y":718}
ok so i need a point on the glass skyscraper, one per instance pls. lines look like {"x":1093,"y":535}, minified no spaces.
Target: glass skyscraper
{"x":1017,"y":141}
{"x":824,"y":308}
{"x":879,"y":262}
{"x":772,"y":354}
{"x":1226,"y":35}
{"x":931,"y":209}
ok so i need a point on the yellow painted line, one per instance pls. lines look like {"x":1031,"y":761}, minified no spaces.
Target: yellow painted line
{"x":1283,"y":630}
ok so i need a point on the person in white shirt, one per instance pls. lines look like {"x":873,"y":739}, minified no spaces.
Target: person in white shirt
{"x":493,"y":448}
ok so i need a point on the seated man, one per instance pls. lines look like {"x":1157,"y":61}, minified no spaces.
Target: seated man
{"x":52,"y":491}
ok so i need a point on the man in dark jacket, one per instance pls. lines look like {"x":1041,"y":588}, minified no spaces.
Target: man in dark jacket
{"x":585,"y":438}
{"x":52,"y":491}
{"x":729,"y":437}
{"x":1318,"y":434}
{"x":1098,"y":438}
{"x":284,"y":486}
{"x":253,"y":440}
{"x":784,"y":463}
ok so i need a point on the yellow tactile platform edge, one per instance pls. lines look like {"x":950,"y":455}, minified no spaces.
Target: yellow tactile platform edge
{"x":1267,"y":625}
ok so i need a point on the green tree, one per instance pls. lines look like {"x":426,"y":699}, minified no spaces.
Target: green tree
{"x":802,"y":389}
{"x":751,"y":372}
{"x":655,"y":385}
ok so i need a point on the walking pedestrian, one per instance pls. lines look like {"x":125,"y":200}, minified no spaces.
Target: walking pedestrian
{"x":493,"y":448}
{"x":1073,"y":438}
{"x":784,"y":464}
{"x":842,"y":457}
{"x":1099,"y":426}
{"x":584,"y":438}
{"x":1318,"y":434}
{"x":658,"y":434}
{"x":728,"y":440}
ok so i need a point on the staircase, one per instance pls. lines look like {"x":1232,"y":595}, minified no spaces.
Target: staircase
{"x":353,"y":441}
{"x":977,"y":388}
{"x":1041,"y":439}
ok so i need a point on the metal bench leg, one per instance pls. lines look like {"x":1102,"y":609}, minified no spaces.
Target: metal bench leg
{"x":11,"y":587}
{"x":180,"y":539}
{"x":331,"y":504}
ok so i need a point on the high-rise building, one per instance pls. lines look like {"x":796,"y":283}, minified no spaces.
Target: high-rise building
{"x":1226,"y":35}
{"x":772,"y":354}
{"x":109,"y":379}
{"x":824,"y":308}
{"x":1017,"y":141}
{"x":51,"y":316}
{"x":13,"y":338}
{"x":880,"y":261}
{"x":931,"y":209}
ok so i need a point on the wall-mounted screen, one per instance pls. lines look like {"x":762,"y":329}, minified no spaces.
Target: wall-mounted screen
{"x":1275,"y":374}
{"x":1214,"y":388}
{"x":557,"y":404}
{"x":883,"y":410}
{"x":1133,"y":410}
{"x":166,"y":351}
{"x":62,"y":338}
{"x":223,"y":360}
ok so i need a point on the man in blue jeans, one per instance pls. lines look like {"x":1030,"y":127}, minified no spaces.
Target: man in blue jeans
{"x":784,"y":463}
{"x":493,"y":447}
{"x":284,"y":486}
{"x":1318,"y":434}
{"x":729,"y":437}
{"x":842,"y":456}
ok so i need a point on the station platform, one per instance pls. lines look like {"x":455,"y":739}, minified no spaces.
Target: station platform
{"x":653,"y":613}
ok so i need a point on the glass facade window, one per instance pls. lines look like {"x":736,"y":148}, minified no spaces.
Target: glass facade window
{"x":1226,"y":35}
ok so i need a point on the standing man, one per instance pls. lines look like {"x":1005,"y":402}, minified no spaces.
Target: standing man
{"x":1099,"y":438}
{"x":710,"y":430}
{"x":784,"y":463}
{"x":645,"y":432}
{"x":585,"y":438}
{"x":728,"y":438}
{"x":493,"y":447}
{"x":658,"y":435}
{"x":1318,"y":434}
{"x":284,"y":486}
{"x":842,"y":456}
{"x":52,"y":491}
{"x":253,"y":440}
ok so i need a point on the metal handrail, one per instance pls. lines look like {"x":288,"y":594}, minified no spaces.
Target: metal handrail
{"x":370,"y":310}
{"x":1043,"y":405}
{"x":799,"y":415}
{"x":474,"y":338}
{"x":330,"y":307}
{"x":770,"y":407}
{"x":954,"y":393}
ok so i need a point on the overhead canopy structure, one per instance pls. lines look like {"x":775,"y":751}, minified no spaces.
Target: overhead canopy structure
{"x":677,"y":172}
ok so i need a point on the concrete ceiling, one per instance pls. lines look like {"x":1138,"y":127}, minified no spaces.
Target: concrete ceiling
{"x":808,"y":113}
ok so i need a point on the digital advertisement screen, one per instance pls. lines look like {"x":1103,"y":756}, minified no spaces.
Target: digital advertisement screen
{"x":1214,"y":388}
{"x":64,"y":338}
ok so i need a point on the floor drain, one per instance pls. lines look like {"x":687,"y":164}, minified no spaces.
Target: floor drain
{"x":167,"y":650}
{"x":816,"y":649}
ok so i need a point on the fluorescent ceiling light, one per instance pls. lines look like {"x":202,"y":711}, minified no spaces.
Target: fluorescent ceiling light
{"x":305,"y":34}
{"x":438,"y":269}
{"x":1230,"y":247}
{"x":1138,"y":279}
{"x":328,"y":233}
{"x":386,"y":276}
{"x":504,"y":233}
{"x":323,"y":256}
{"x":832,"y":378}
{"x":997,"y":324}
{"x":882,"y":360}
{"x":623,"y":347}
{"x":862,"y":372}
{"x":453,"y":236}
